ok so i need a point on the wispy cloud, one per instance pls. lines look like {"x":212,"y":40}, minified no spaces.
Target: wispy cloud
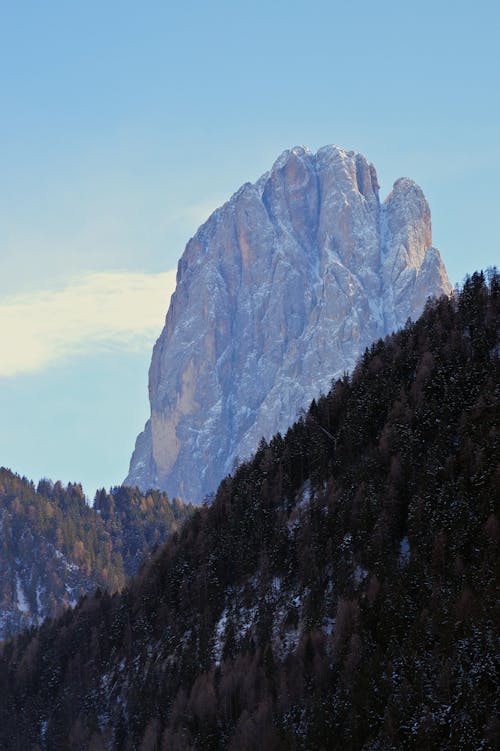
{"x":97,"y":311}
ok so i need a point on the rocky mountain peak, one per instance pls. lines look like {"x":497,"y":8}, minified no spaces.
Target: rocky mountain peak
{"x":278,"y":292}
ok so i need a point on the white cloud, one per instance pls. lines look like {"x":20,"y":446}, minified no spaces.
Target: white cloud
{"x":123,"y":310}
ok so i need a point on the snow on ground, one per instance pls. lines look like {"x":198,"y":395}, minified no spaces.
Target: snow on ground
{"x":219,"y":637}
{"x":404,"y":551}
{"x":22,"y":602}
{"x":360,"y":574}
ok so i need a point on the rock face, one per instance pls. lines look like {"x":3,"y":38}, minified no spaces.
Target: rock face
{"x":277,"y":293}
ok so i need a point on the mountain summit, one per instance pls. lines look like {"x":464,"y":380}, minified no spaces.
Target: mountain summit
{"x":278,"y":292}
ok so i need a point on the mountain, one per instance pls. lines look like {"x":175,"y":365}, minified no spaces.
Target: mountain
{"x":54,"y":547}
{"x":339,"y":593}
{"x":277,"y":293}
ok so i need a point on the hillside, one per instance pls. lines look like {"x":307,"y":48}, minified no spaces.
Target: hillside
{"x":138,"y":522}
{"x":55,"y":547}
{"x":338,"y":594}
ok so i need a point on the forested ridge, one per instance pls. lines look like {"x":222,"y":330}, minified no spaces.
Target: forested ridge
{"x":339,"y":593}
{"x":138,"y":522}
{"x":54,"y":546}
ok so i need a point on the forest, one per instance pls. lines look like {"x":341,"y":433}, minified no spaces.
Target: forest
{"x":56,"y":547}
{"x":338,"y":593}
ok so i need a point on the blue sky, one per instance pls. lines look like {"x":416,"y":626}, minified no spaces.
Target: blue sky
{"x":124,"y":124}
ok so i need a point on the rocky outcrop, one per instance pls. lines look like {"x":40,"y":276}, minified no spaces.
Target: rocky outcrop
{"x":277,"y":293}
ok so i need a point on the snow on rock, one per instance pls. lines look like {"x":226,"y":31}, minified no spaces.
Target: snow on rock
{"x":278,"y":292}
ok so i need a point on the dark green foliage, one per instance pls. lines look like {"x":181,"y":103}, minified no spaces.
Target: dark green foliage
{"x":55,"y":547}
{"x":138,"y":522}
{"x":338,"y":594}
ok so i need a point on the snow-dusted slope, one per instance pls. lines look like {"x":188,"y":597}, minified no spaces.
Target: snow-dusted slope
{"x":277,"y":293}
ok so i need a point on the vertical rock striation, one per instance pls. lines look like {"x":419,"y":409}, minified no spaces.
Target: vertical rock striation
{"x":277,"y":293}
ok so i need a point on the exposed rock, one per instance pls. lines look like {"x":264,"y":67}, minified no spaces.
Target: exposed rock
{"x":277,"y":293}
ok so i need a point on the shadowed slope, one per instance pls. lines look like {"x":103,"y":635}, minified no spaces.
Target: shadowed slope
{"x":338,"y":593}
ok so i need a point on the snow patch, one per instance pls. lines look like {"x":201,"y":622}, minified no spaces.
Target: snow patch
{"x":220,"y":629}
{"x":404,"y":551}
{"x":22,"y":602}
{"x":360,"y":574}
{"x":328,"y":626}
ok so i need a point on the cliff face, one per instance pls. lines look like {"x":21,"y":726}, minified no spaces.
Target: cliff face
{"x":277,"y":293}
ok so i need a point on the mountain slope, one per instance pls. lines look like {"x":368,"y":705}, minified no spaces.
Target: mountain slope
{"x":277,"y":293}
{"x":55,"y":547}
{"x":338,"y":594}
{"x":137,"y":523}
